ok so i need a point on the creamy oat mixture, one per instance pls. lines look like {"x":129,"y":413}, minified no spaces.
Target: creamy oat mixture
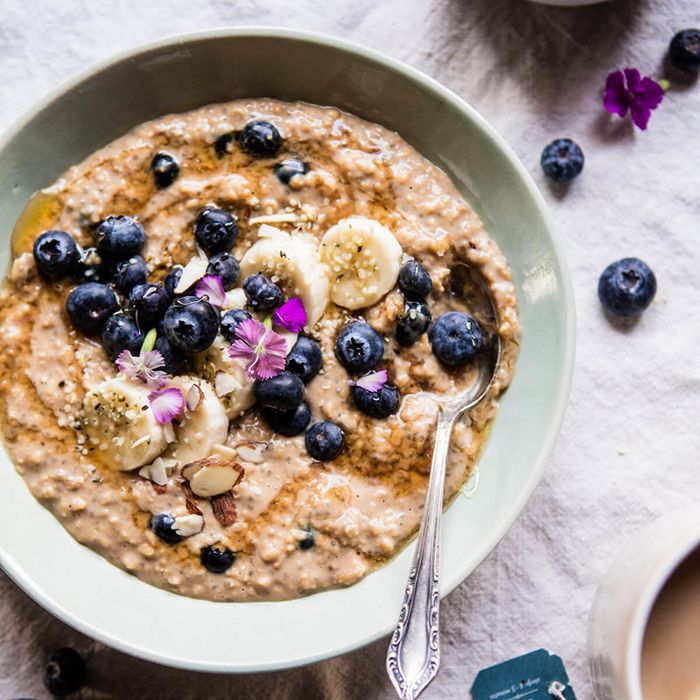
{"x":297,"y":525}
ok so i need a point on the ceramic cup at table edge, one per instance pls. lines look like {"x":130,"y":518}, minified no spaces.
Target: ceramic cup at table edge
{"x":626,"y":596}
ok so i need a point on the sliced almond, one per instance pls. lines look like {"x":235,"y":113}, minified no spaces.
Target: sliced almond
{"x":195,"y":269}
{"x":225,"y":452}
{"x":252,"y":451}
{"x":225,"y":383}
{"x":169,"y":433}
{"x":194,"y":397}
{"x":224,"y":508}
{"x":211,"y":481}
{"x":190,"y":498}
{"x":158,"y":470}
{"x":189,"y":470}
{"x":188,"y":525}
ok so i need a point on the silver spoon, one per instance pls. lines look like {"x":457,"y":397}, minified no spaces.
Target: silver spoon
{"x":413,"y":657}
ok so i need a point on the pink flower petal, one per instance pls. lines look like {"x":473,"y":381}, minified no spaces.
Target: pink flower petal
{"x":251,"y":331}
{"x":144,"y":367}
{"x":633,"y":78}
{"x":653,"y":93}
{"x":291,"y":315}
{"x":152,"y":359}
{"x":614,"y":98}
{"x":263,"y":349}
{"x":166,"y":404}
{"x":210,"y":286}
{"x":373,"y":382}
{"x":267,"y":366}
{"x":640,"y":115}
{"x":275,"y":344}
{"x":127,"y":364}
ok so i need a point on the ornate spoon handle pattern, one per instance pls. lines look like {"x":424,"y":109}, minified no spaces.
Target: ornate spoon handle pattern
{"x":413,"y":658}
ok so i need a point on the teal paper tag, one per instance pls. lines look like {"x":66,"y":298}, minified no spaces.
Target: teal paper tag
{"x":538,"y":675}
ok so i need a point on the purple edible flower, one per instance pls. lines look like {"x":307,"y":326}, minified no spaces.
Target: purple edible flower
{"x":626,"y":91}
{"x":291,"y":315}
{"x":211,"y":287}
{"x":264,"y":350}
{"x":372,"y":382}
{"x":166,"y":404}
{"x":144,"y":367}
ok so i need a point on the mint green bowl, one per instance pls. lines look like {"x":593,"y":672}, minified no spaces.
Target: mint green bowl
{"x":182,"y":73}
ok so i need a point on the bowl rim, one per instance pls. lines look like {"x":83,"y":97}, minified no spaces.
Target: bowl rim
{"x":440,"y":92}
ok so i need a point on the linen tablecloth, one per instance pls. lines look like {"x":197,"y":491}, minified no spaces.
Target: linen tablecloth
{"x":628,"y":449}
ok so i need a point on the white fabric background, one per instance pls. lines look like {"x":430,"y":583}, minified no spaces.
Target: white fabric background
{"x":628,"y":450}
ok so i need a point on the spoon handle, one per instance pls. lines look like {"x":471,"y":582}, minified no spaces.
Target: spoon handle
{"x":413,"y":658}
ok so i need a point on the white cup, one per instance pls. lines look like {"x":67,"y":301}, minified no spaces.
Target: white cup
{"x":625,"y":599}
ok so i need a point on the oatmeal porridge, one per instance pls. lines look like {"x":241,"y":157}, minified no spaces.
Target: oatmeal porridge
{"x":219,"y":337}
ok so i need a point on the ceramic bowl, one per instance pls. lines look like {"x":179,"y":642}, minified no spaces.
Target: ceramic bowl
{"x":182,"y":73}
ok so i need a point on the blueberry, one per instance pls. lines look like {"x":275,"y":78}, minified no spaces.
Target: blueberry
{"x":376,"y":404}
{"x":260,"y":139}
{"x":359,"y":347}
{"x":414,"y":281}
{"x":172,"y":279}
{"x":305,"y":359}
{"x":626,"y":287}
{"x":224,"y":265}
{"x":215,"y":230}
{"x":89,"y":305}
{"x":684,"y":50}
{"x":456,"y":338}
{"x":562,"y":160}
{"x":324,"y":440}
{"x":130,"y":273}
{"x":309,"y":540}
{"x":290,"y":167}
{"x":64,"y":672}
{"x":147,"y":303}
{"x":173,"y":357}
{"x":165,"y":169}
{"x":262,"y":294}
{"x":413,"y":323}
{"x":56,"y":254}
{"x":230,"y":321}
{"x":283,"y":392}
{"x":162,"y":524}
{"x":118,"y":238}
{"x":191,"y":324}
{"x":223,"y":144}
{"x":288,"y":423}
{"x":121,"y":332}
{"x":217,"y":560}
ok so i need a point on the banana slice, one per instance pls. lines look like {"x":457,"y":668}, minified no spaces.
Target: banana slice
{"x":231,"y":384}
{"x":203,"y":426}
{"x":292,"y":262}
{"x":364,"y":259}
{"x":121,"y":425}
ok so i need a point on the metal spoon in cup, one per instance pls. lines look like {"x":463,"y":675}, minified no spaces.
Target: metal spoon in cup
{"x":413,"y":657}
